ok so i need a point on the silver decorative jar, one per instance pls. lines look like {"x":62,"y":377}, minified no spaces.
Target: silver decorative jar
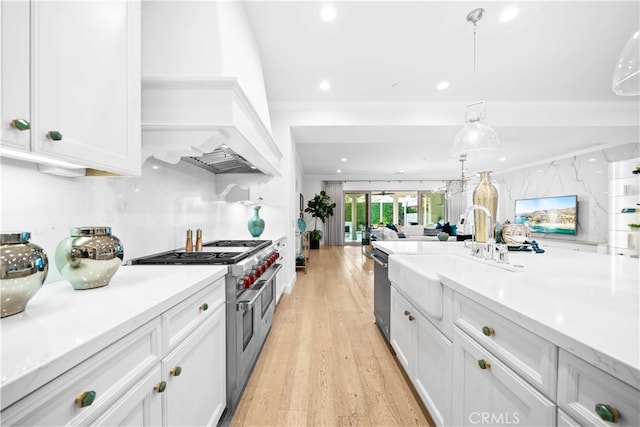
{"x":24,"y":268}
{"x":89,"y":257}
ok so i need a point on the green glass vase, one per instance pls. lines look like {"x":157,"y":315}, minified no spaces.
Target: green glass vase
{"x":256,"y":224}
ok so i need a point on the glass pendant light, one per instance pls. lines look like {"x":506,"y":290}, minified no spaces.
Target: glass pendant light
{"x":626,"y":76}
{"x":475,"y":136}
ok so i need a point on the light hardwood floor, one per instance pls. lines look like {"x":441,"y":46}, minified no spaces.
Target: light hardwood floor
{"x":325,"y":362}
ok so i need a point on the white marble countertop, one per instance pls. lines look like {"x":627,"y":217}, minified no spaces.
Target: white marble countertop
{"x":586,"y":303}
{"x":61,"y":326}
{"x":402,"y":246}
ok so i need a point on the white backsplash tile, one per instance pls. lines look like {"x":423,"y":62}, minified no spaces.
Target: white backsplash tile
{"x":149,"y":214}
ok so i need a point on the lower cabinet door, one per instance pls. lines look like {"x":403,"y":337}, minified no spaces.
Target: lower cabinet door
{"x":141,"y":406}
{"x":195,"y":375}
{"x":403,"y":331}
{"x":433,"y":371}
{"x":487,"y":392}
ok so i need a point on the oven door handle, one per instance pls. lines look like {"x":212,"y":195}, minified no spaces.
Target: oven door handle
{"x":382,"y":264}
{"x":272,"y":272}
{"x":247,"y":305}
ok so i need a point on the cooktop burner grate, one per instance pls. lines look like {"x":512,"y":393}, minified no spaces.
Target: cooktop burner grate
{"x":238,"y":250}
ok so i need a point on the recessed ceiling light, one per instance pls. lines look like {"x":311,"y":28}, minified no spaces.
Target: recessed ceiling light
{"x":328,"y":13}
{"x":325,"y":85}
{"x":344,"y":159}
{"x":592,"y":159}
{"x":508,"y":14}
{"x":400,"y":171}
{"x":502,"y":159}
{"x":339,"y":171}
{"x":442,"y":85}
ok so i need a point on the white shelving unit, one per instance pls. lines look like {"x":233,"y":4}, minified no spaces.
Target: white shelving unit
{"x":624,"y":194}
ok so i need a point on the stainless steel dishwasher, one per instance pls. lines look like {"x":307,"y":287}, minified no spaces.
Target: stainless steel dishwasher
{"x":381,"y":292}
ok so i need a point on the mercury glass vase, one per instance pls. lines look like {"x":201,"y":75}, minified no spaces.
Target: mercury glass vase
{"x":256,"y":224}
{"x":89,"y":257}
{"x":23,"y":270}
{"x":485,"y":194}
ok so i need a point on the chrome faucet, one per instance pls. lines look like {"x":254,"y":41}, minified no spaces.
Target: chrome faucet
{"x":487,"y":250}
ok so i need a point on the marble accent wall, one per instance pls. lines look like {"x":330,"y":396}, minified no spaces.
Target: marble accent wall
{"x":585,"y":175}
{"x":149,"y":214}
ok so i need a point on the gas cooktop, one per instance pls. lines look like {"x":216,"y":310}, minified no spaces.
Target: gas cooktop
{"x":217,"y":252}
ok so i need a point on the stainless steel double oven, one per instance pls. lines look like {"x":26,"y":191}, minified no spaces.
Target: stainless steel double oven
{"x":250,"y":287}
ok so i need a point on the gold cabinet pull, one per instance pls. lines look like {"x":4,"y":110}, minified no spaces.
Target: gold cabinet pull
{"x":488,"y":330}
{"x":176,"y":371}
{"x":407,"y":312}
{"x":204,"y":307}
{"x":85,"y":399}
{"x":411,"y":318}
{"x":607,"y":412}
{"x":484,"y":364}
{"x":160,"y":387}
{"x":21,"y":124}
{"x":54,"y":135}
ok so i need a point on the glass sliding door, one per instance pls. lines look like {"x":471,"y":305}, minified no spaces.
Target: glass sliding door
{"x":355,"y":217}
{"x":432,"y":209}
{"x":399,"y":207}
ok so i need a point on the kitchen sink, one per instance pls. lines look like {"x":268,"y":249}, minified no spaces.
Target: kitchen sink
{"x":417,"y":277}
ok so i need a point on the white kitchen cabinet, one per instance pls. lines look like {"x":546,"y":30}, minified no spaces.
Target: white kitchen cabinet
{"x":14,"y":75}
{"x":83,"y":100}
{"x":84,"y":393}
{"x":488,"y":392}
{"x":426,"y":355}
{"x":195,"y":373}
{"x":141,"y":406}
{"x":532,"y":357}
{"x":128,"y":381}
{"x":593,"y":397}
{"x":402,"y":335}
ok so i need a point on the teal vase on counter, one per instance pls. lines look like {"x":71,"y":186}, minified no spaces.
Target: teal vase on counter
{"x":256,"y":224}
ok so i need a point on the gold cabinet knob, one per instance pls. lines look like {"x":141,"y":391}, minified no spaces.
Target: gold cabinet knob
{"x":204,"y":307}
{"x":176,"y":371}
{"x":607,"y":412}
{"x":488,"y":330}
{"x":160,"y":387}
{"x":484,"y":364}
{"x":21,"y":124}
{"x":411,"y":318}
{"x":407,"y":312}
{"x":54,"y":135}
{"x":85,"y":399}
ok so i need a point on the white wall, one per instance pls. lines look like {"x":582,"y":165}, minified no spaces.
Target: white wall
{"x":149,"y":214}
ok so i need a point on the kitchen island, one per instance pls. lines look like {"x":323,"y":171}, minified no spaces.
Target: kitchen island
{"x":541,"y":338}
{"x":101,"y":355}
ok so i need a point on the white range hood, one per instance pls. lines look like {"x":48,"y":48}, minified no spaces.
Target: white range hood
{"x":193,"y":117}
{"x":191,"y":107}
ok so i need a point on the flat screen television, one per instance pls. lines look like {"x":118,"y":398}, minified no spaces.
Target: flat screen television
{"x":553,"y":215}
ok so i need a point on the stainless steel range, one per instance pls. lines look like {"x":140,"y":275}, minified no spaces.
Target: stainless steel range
{"x":250,"y":300}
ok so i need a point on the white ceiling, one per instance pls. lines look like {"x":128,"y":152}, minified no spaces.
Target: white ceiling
{"x":545,"y":76}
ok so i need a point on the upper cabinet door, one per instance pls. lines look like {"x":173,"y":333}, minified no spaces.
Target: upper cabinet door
{"x":14,"y":74}
{"x":86,"y":83}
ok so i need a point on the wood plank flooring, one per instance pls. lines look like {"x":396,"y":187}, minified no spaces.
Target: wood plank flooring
{"x":325,"y":362}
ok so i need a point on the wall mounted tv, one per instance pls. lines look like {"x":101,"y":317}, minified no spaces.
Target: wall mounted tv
{"x":553,"y":215}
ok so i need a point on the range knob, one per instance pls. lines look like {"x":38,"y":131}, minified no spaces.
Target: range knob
{"x":256,"y":270}
{"x":246,"y":281}
{"x":263,"y":268}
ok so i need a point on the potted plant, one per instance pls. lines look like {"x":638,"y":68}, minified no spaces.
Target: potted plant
{"x":319,"y":207}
